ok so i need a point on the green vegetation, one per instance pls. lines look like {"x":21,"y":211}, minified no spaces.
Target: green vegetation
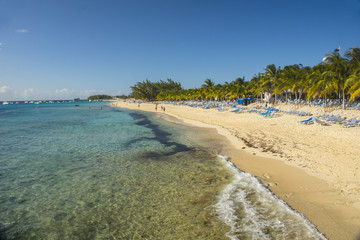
{"x":107,"y":97}
{"x":151,"y":91}
{"x":335,"y":77}
{"x":100,"y":97}
{"x":122,"y":97}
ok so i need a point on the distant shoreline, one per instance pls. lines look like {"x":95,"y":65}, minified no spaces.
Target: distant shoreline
{"x":312,"y":168}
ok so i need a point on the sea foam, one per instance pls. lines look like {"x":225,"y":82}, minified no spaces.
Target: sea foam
{"x":251,"y":210}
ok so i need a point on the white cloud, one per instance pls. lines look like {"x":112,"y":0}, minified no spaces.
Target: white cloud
{"x":4,"y":89}
{"x":61,"y":91}
{"x":23,"y":30}
{"x":65,"y":93}
{"x":9,"y":94}
{"x":6,"y":93}
{"x":28,"y":93}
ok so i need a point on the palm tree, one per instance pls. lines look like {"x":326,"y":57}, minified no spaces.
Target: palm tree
{"x":339,"y":73}
{"x":239,"y":81}
{"x":272,"y":76}
{"x":219,"y":92}
{"x":318,"y":83}
{"x":208,"y":83}
{"x":353,"y":55}
{"x":290,"y":80}
{"x":168,"y":85}
{"x":256,"y":85}
{"x":196,"y":94}
{"x":233,"y":91}
{"x":226,"y":88}
{"x":240,"y":87}
{"x":354,"y":80}
{"x":145,"y":90}
{"x":299,"y":84}
{"x":207,"y":93}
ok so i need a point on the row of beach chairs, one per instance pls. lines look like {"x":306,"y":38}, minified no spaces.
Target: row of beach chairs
{"x":299,"y":113}
{"x":267,"y":113}
{"x":333,"y":119}
{"x":324,"y":119}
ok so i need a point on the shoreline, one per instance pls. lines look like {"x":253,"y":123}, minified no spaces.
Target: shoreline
{"x":333,"y":206}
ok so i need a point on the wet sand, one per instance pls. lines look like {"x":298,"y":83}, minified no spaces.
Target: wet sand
{"x":315,"y":169}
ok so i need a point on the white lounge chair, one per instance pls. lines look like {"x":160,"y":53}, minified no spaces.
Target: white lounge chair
{"x":351,"y":123}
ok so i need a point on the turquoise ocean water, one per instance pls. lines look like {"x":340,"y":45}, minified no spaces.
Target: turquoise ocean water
{"x":97,"y":172}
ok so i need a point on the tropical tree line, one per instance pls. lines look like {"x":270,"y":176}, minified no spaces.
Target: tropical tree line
{"x":104,"y":97}
{"x":100,"y":97}
{"x":336,"y":77}
{"x":152,"y":90}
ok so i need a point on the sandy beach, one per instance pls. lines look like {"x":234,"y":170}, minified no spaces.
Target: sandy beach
{"x":314,"y":168}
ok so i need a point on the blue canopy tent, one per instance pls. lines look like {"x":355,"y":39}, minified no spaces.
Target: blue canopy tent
{"x":245,"y":101}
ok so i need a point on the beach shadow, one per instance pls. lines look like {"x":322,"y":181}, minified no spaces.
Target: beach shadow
{"x":161,"y":136}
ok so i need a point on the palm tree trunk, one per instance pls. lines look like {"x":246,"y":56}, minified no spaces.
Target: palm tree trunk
{"x":343,"y":94}
{"x":325,"y":100}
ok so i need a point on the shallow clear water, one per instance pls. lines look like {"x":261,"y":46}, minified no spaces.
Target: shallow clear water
{"x":96,"y":172}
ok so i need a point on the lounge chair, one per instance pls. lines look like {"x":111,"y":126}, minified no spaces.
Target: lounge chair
{"x":291,"y":111}
{"x":308,"y":121}
{"x":333,"y":118}
{"x":221,"y":109}
{"x":264,"y":112}
{"x":318,"y":121}
{"x":357,"y":106}
{"x":270,"y":114}
{"x":331,"y":115}
{"x":339,"y":120}
{"x":351,"y":123}
{"x":322,"y":115}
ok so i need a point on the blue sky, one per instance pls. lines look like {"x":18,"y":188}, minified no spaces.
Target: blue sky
{"x":63,"y":49}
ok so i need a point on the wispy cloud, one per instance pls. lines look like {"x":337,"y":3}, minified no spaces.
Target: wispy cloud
{"x":29,"y":93}
{"x":4,"y":89}
{"x":1,"y":44}
{"x":23,"y":30}
{"x":6,"y":93}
